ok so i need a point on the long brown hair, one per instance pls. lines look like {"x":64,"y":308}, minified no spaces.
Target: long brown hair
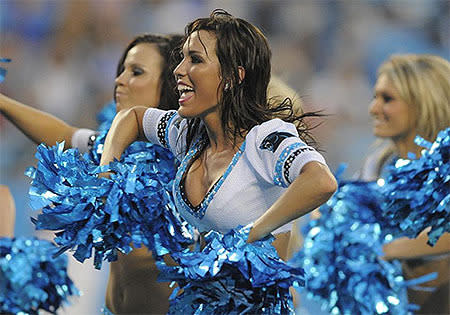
{"x":243,"y":104}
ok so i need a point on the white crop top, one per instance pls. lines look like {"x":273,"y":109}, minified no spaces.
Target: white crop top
{"x":269,"y":159}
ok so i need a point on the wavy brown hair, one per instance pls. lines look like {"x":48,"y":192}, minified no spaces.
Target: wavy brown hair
{"x":165,"y":44}
{"x":243,"y":104}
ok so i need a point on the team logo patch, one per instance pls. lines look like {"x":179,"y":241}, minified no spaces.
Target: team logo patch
{"x":273,"y":141}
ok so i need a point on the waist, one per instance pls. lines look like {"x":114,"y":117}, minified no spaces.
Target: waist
{"x":133,"y":287}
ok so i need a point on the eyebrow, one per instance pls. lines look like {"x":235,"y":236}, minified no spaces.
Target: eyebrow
{"x":191,"y":51}
{"x":133,"y":64}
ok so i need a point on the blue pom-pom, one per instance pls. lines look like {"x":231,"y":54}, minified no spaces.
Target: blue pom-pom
{"x":341,"y":255}
{"x":417,"y":192}
{"x":105,"y":215}
{"x":3,"y":71}
{"x":231,"y":276}
{"x":106,"y":116}
{"x":30,"y":279}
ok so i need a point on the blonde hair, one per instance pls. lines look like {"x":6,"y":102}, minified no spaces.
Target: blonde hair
{"x":423,"y":82}
{"x":278,"y":90}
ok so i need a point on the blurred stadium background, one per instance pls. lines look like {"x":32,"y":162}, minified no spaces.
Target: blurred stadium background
{"x":65,"y":53}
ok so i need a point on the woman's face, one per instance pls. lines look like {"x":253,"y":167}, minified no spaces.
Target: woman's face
{"x":140,"y":82}
{"x":392,"y":117}
{"x":198,"y":76}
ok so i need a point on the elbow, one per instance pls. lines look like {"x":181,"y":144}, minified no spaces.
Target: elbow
{"x":328,"y":186}
{"x":331,"y":185}
{"x":326,"y":183}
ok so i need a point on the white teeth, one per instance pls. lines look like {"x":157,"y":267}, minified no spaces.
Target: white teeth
{"x":182,"y":90}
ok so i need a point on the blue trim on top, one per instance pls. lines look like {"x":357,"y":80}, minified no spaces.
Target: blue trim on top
{"x":162,"y":130}
{"x":278,"y":173}
{"x":166,"y":132}
{"x":179,"y":191}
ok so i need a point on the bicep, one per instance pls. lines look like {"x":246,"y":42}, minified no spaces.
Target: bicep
{"x":139,"y":112}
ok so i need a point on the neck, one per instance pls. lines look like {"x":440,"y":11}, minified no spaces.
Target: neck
{"x":218,"y":139}
{"x":406,"y":144}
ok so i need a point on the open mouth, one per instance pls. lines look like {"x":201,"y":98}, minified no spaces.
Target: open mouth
{"x":185,"y":92}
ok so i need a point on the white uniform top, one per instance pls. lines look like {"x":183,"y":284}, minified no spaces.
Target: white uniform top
{"x":270,"y":158}
{"x":83,"y":139}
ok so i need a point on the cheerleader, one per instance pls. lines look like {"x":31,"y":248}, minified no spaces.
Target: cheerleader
{"x":239,"y":164}
{"x":411,"y":98}
{"x":144,"y":77}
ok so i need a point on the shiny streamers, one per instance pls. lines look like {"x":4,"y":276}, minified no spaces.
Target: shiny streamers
{"x":30,"y":279}
{"x":106,"y":116}
{"x":104,"y":215}
{"x":231,"y":276}
{"x":3,"y":71}
{"x":341,"y":255}
{"x":418,"y":191}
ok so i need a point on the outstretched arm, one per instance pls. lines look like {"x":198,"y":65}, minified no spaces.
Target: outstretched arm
{"x":314,"y":186}
{"x":35,"y":124}
{"x":125,"y":129}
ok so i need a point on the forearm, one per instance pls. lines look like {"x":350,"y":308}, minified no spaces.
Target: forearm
{"x":295,"y":240}
{"x":404,"y":248}
{"x":125,"y":129}
{"x":35,"y":124}
{"x":314,"y":186}
{"x":7,"y":213}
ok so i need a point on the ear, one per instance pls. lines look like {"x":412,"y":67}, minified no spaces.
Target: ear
{"x":241,"y":72}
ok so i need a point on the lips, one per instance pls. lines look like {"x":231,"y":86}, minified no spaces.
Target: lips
{"x":379,"y":120}
{"x":185,"y":97}
{"x":119,"y":93}
{"x":186,"y":92}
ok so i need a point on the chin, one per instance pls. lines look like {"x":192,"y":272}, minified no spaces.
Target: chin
{"x":381,"y":133}
{"x":183,"y":112}
{"x":118,"y":108}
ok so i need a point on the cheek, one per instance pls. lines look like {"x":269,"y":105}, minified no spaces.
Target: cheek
{"x":143,"y":88}
{"x":400,"y":118}
{"x":211,"y":89}
{"x":151,"y":93}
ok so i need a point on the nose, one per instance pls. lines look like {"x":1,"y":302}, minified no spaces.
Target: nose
{"x":374,"y":107}
{"x":120,"y":79}
{"x":180,"y":70}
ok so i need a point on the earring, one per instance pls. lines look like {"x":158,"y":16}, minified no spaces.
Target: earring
{"x":227,"y":86}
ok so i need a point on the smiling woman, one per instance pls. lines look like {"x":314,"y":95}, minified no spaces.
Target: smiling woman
{"x":240,"y":163}
{"x":412,"y":97}
{"x":393,"y":117}
{"x":198,"y":76}
{"x":144,"y":77}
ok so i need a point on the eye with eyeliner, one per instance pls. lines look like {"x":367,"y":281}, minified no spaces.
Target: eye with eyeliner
{"x":386,"y":97}
{"x":196,"y":59}
{"x":137,"y":71}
